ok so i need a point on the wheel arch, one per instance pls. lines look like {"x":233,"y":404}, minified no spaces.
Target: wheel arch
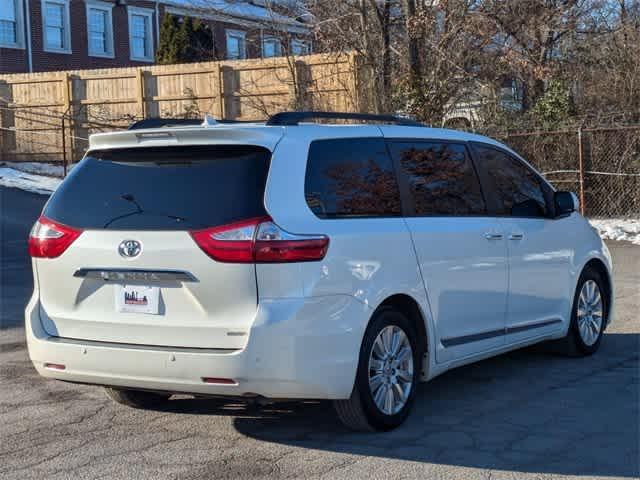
{"x":600,"y":267}
{"x":410,"y":307}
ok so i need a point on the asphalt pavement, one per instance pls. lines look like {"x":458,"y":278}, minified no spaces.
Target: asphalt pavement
{"x":524,"y":415}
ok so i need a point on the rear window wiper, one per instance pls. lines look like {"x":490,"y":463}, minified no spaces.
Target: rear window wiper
{"x":140,"y":211}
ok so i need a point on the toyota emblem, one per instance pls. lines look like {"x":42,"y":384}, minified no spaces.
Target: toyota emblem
{"x":129,"y":248}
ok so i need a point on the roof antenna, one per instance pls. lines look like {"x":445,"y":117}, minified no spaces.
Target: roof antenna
{"x":209,"y":121}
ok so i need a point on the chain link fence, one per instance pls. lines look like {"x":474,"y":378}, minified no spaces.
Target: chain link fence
{"x":48,"y":134}
{"x":601,"y":165}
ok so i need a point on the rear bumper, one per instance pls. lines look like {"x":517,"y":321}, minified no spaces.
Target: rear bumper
{"x":297,"y":348}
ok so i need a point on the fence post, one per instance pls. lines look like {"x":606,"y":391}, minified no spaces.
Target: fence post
{"x":227,"y":89}
{"x":66,"y":104}
{"x":581,"y":170}
{"x":4,"y":106}
{"x":141,"y":98}
{"x":218,"y":88}
{"x":301,"y":79}
{"x":354,"y":65}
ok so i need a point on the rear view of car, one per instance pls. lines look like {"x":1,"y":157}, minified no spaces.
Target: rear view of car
{"x":145,"y":263}
{"x":121,"y":250}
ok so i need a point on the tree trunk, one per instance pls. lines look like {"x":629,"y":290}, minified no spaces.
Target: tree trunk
{"x":415,"y":70}
{"x":386,"y":56}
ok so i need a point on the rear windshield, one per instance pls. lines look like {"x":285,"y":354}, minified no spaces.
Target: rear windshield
{"x":163,"y":188}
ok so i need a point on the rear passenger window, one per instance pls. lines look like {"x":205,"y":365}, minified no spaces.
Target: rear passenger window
{"x":517,"y":188}
{"x":440,"y":178}
{"x":351,"y":177}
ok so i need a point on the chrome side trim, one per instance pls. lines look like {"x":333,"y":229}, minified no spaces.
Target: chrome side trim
{"x":531,"y":326}
{"x":475,"y":337}
{"x":131,"y":274}
{"x":156,"y":348}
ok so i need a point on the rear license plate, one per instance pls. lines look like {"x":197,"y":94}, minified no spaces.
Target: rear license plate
{"x":137,"y":299}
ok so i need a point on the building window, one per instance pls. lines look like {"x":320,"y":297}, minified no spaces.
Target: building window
{"x":141,"y":34}
{"x":271,"y":47}
{"x":300,"y":47}
{"x":57,"y":35}
{"x":100,"y":29}
{"x":236,"y":45}
{"x":11,"y":24}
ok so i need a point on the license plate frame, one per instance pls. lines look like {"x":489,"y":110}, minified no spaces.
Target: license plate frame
{"x":137,"y":299}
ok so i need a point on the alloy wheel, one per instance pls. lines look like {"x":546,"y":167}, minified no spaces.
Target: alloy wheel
{"x":391,"y":370}
{"x":590,"y":312}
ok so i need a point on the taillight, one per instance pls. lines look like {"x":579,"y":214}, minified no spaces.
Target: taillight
{"x":259,"y":240}
{"x":274,"y":245}
{"x":49,"y":239}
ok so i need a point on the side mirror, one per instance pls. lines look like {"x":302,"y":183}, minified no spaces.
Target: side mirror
{"x":566,"y":203}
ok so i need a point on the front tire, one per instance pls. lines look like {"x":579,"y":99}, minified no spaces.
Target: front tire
{"x":136,"y":398}
{"x":588,"y":315}
{"x":388,"y":374}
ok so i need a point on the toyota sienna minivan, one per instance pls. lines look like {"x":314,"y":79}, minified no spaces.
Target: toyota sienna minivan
{"x":300,"y":260}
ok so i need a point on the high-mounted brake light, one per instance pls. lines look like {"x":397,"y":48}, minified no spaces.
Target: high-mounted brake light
{"x":259,"y":240}
{"x":49,"y":239}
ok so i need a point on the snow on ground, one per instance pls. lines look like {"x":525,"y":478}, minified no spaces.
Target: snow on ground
{"x":39,"y":168}
{"x":10,"y":177}
{"x":618,"y":228}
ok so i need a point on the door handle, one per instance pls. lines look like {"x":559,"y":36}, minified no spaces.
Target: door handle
{"x":493,"y":236}
{"x":516,"y":236}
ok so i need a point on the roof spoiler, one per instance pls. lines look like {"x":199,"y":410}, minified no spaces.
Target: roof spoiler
{"x":177,"y":122}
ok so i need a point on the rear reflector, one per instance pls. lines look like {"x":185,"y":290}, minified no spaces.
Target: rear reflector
{"x":259,"y":240}
{"x":49,"y":239}
{"x":219,"y":381}
{"x":54,"y":366}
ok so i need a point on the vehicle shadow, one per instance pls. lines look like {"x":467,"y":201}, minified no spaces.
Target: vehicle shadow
{"x":527,"y":411}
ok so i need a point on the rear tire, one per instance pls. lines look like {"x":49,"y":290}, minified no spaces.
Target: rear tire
{"x":136,"y":398}
{"x":588,"y":316}
{"x":388,"y":374}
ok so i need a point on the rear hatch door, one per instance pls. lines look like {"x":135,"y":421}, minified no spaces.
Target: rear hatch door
{"x":169,"y":293}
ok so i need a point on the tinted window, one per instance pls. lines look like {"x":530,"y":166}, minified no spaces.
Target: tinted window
{"x":351,"y":177}
{"x":164,"y":188}
{"x":517,"y":188}
{"x":440,"y":177}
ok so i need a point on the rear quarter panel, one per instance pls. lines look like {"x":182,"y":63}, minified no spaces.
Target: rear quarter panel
{"x":369,"y":259}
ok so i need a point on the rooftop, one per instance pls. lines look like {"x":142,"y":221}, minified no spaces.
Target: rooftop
{"x":238,"y":9}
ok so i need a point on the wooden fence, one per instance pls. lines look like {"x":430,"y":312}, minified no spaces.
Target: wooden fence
{"x":49,"y":116}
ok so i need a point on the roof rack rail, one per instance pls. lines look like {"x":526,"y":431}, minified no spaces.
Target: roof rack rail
{"x":294,"y":118}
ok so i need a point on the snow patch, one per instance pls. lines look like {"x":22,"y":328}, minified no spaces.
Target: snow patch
{"x":10,"y":177}
{"x":627,"y":229}
{"x":235,"y":8}
{"x":39,"y":168}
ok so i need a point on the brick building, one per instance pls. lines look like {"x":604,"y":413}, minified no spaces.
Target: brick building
{"x":46,"y":35}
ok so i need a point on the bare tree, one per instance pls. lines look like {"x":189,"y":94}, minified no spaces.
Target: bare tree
{"x":607,"y":67}
{"x":428,"y":57}
{"x":530,"y":40}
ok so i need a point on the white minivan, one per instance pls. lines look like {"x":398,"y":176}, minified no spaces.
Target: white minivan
{"x":299,"y":260}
